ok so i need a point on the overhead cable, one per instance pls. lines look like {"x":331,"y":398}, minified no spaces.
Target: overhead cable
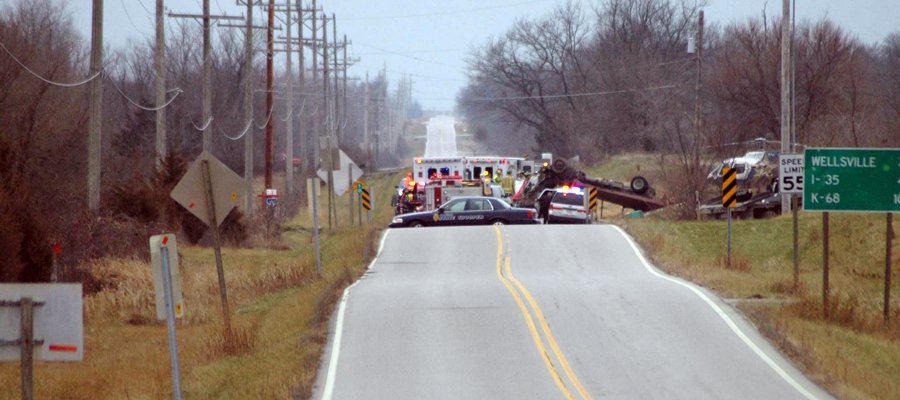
{"x":177,"y":91}
{"x":54,"y":83}
{"x":269,"y":118}
{"x":244,"y":132}
{"x":445,"y":13}
{"x":589,"y":94}
{"x":205,"y":125}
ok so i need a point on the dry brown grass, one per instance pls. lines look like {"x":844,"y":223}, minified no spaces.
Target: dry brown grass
{"x":852,"y":352}
{"x":280,"y":310}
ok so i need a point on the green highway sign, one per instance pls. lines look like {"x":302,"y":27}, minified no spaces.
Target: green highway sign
{"x":863,"y":180}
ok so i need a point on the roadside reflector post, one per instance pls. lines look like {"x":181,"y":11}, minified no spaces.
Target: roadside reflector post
{"x":889,"y":237}
{"x":27,"y":345}
{"x":795,"y":210}
{"x":729,"y":201}
{"x":217,"y":247}
{"x":825,"y":288}
{"x":170,"y":321}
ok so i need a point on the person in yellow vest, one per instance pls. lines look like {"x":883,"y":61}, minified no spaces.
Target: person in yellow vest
{"x":508,"y":183}
{"x":486,"y":183}
{"x":498,"y":175}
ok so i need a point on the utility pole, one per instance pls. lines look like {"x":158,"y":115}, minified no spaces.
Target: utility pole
{"x":248,"y":110}
{"x":301,"y":128}
{"x":289,"y":135}
{"x":366,"y":139}
{"x":337,"y":110}
{"x":207,"y":68}
{"x":344,"y":94}
{"x":96,"y":108}
{"x":329,"y":156}
{"x":270,"y":53}
{"x":785,"y":91}
{"x":160,"y":85}
{"x":207,"y":83}
{"x":697,"y":87}
{"x":314,"y":136}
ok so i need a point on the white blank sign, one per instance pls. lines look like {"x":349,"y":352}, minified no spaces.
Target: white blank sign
{"x":59,"y":321}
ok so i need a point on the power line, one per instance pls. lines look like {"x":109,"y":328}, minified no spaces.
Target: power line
{"x":128,"y":15}
{"x":588,"y":94}
{"x":145,"y":7}
{"x":177,"y":91}
{"x":48,"y":81}
{"x":205,"y":125}
{"x":244,"y":132}
{"x":408,"y":56}
{"x":445,"y":13}
{"x":413,"y":52}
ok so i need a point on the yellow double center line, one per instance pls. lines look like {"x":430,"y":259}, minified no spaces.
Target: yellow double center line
{"x":512,"y":284}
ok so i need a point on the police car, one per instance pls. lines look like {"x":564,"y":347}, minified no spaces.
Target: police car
{"x":468,"y":211}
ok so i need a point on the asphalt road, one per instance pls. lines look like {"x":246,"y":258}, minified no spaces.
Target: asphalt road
{"x":540,"y":312}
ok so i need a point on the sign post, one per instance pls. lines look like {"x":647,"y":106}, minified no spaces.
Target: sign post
{"x":360,"y":186}
{"x":729,"y":201}
{"x":790,"y":180}
{"x":163,"y":250}
{"x":210,"y":190}
{"x":367,"y":204}
{"x":855,"y":180}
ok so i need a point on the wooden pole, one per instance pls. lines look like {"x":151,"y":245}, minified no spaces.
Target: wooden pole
{"x":207,"y":80}
{"x":95,"y":123}
{"x":27,"y":308}
{"x":217,"y":247}
{"x":270,"y":82}
{"x":249,"y":204}
{"x":289,"y":127}
{"x":159,"y":58}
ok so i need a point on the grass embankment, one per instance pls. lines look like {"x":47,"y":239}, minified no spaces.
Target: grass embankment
{"x":280,"y":313}
{"x":852,"y":353}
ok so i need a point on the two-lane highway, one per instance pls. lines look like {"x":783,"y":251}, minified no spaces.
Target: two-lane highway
{"x":539,"y":312}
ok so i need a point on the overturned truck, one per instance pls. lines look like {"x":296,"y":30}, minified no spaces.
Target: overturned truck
{"x":637,"y":196}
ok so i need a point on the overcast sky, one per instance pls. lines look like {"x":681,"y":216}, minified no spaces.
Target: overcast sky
{"x":429,"y":39}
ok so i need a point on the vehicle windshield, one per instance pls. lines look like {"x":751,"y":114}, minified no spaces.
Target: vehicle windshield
{"x":570,"y":198}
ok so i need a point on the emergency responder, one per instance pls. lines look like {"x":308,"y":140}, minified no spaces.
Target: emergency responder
{"x":498,"y":175}
{"x":508,"y":183}
{"x":544,"y":205}
{"x":407,"y":180}
{"x":486,"y":183}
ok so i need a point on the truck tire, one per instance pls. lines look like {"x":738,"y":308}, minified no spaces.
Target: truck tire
{"x":639,"y":184}
{"x":558,"y":166}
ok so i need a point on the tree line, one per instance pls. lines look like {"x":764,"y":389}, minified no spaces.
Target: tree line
{"x":615,"y":76}
{"x":43,"y":129}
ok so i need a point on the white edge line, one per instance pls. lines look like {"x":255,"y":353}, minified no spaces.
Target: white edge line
{"x":777,"y":368}
{"x":339,"y":328}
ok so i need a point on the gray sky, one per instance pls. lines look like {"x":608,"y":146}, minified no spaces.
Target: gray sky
{"x":429,"y":39}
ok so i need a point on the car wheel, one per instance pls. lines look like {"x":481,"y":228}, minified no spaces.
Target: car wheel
{"x":498,"y":222}
{"x":416,"y":224}
{"x":639,"y":184}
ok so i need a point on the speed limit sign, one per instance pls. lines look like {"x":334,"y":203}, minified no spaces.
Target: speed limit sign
{"x":790,"y":173}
